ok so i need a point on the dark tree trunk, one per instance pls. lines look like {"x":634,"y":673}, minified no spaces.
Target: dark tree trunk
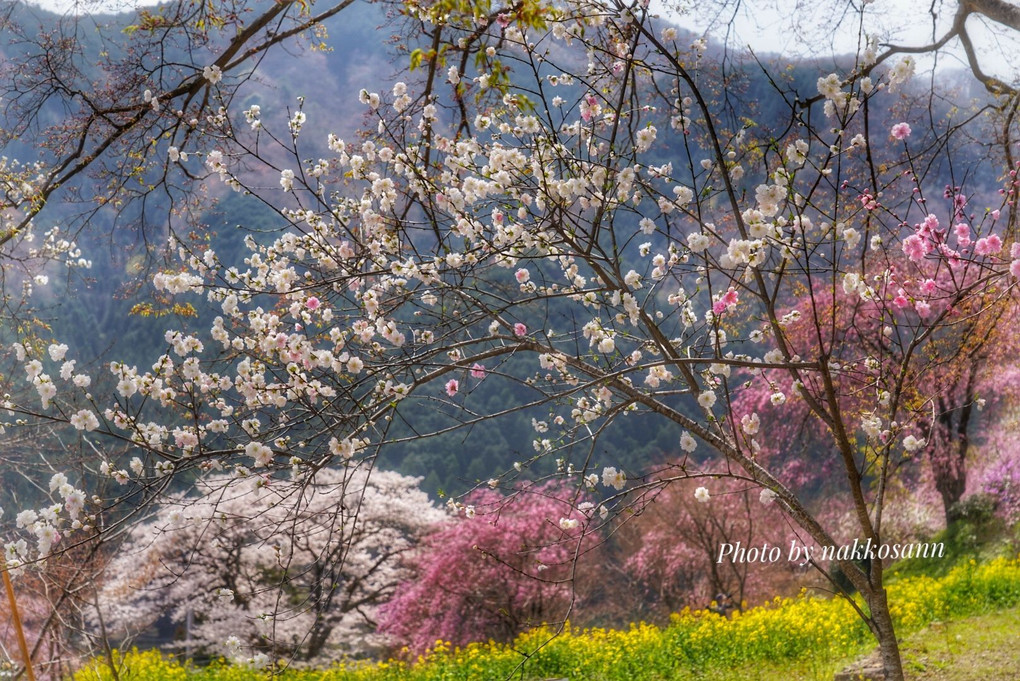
{"x":947,"y":450}
{"x":951,"y":484}
{"x":882,"y":626}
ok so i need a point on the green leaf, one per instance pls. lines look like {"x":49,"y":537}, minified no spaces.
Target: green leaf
{"x":416,"y":57}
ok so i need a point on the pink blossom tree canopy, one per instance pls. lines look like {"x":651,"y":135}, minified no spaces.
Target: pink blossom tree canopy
{"x":506,"y":564}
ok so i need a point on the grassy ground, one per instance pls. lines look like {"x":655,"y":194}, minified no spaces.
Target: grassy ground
{"x":982,"y":648}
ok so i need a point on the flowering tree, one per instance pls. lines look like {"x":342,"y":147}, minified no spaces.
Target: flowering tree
{"x":553,"y":199}
{"x":679,"y":542}
{"x":506,"y":565}
{"x":51,"y":622}
{"x":1000,"y":474}
{"x":245,"y":566}
{"x":974,"y":369}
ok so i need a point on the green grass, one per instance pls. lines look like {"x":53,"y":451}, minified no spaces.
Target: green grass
{"x":980,"y":648}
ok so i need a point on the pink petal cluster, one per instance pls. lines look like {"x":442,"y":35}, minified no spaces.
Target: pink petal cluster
{"x":900,"y":131}
{"x":452,"y":386}
{"x":989,"y":245}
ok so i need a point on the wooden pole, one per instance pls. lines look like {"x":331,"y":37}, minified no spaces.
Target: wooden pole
{"x":17,"y":626}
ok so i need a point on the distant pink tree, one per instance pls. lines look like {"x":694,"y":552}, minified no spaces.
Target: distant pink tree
{"x":33,"y":609}
{"x":1002,"y":480}
{"x":999,"y":473}
{"x":503,"y":564}
{"x":860,"y":327}
{"x":676,"y":542}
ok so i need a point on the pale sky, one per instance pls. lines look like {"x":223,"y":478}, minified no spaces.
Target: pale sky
{"x":86,"y":6}
{"x":766,"y":26}
{"x":812,"y":28}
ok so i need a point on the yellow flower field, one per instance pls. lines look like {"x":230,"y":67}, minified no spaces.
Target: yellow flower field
{"x":811,"y":632}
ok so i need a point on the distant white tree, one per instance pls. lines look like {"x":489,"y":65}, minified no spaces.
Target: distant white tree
{"x":262,"y":565}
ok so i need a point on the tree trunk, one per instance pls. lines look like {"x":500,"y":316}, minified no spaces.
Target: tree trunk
{"x":882,"y":626}
{"x":951,"y":488}
{"x":948,"y":458}
{"x":947,"y":451}
{"x":868,"y":581}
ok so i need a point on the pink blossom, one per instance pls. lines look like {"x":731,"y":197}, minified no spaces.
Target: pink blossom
{"x":959,"y":203}
{"x":923,"y":308}
{"x":1003,"y":481}
{"x":901,"y":131}
{"x":929,"y":227}
{"x":988,"y":245}
{"x":727,"y":300}
{"x":952,"y":256}
{"x":522,"y":276}
{"x":477,"y":370}
{"x":520,"y":330}
{"x":451,"y":387}
{"x":1014,"y":250}
{"x":312,"y":303}
{"x":513,"y":558}
{"x":900,"y":300}
{"x":1014,"y":268}
{"x":928,"y":287}
{"x":672,"y":558}
{"x":915,"y":247}
{"x":962,"y":231}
